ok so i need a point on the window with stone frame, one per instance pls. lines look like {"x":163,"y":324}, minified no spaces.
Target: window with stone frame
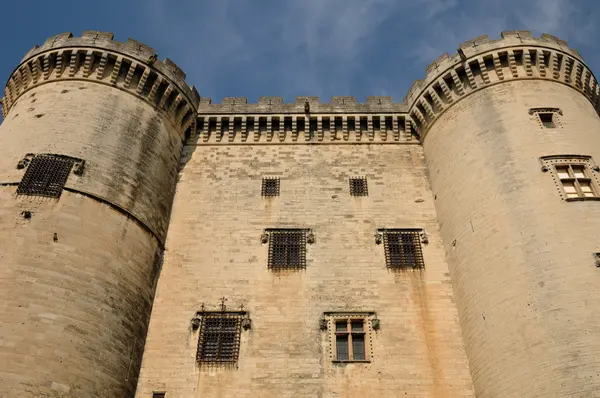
{"x":402,"y":248}
{"x":350,"y":336}
{"x":575,"y":176}
{"x":547,"y":118}
{"x":219,"y":337}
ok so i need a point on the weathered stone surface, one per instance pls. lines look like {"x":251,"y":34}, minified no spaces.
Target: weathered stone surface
{"x":515,"y":296}
{"x":214,"y":251}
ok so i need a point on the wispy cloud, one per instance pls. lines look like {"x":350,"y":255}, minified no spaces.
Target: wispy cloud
{"x":344,"y":47}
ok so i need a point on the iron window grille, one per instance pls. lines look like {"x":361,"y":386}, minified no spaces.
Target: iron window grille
{"x":287,"y":249}
{"x":219,"y":337}
{"x":46,"y":175}
{"x":270,"y":186}
{"x":403,"y":248}
{"x":358,"y":186}
{"x":573,"y":176}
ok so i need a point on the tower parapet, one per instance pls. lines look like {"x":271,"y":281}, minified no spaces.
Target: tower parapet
{"x":131,"y":66}
{"x":482,"y":62}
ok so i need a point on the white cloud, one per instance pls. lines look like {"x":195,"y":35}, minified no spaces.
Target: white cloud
{"x":342,"y":47}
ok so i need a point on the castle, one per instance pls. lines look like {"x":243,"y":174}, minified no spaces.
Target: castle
{"x":444,"y":246}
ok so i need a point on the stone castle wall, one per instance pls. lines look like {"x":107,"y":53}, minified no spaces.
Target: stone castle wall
{"x":517,"y":287}
{"x":214,"y":250}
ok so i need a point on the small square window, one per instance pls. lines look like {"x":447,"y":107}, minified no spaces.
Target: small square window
{"x":219,"y":338}
{"x":547,"y":120}
{"x":270,"y":186}
{"x":46,"y":176}
{"x":358,"y":186}
{"x":287,"y":249}
{"x":547,"y":117}
{"x":403,"y":248}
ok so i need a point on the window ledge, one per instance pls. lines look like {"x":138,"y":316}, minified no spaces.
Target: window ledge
{"x":352,"y":361}
{"x":583,"y":199}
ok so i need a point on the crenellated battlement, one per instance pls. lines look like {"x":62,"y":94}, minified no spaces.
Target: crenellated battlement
{"x":267,"y":105}
{"x":482,"y":62}
{"x":322,"y":128}
{"x":134,"y":67}
{"x":131,"y":66}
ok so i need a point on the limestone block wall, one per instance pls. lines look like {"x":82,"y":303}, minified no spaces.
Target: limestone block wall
{"x":79,"y":271}
{"x":74,"y":311}
{"x":520,"y":256}
{"x":214,"y":250}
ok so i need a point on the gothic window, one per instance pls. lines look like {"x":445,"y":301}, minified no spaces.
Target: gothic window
{"x":573,"y":176}
{"x":219,"y":338}
{"x":287,"y":249}
{"x":358,"y":186}
{"x":270,"y":186}
{"x":46,"y":175}
{"x":403,"y":248}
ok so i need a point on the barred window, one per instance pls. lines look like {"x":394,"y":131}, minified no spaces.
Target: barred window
{"x":270,"y":186}
{"x":573,"y":176}
{"x":46,"y":176}
{"x":358,"y":186}
{"x":287,"y":249}
{"x":403,"y":248}
{"x":219,"y":338}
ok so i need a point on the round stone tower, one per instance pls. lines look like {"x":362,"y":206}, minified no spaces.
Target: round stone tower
{"x":511,"y":135}
{"x":91,"y":142}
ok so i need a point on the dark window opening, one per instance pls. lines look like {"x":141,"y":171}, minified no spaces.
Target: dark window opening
{"x":219,"y":338}
{"x":46,"y":176}
{"x":270,"y":186}
{"x":403,"y":249}
{"x":287,"y":249}
{"x":159,"y":395}
{"x":262,"y":124}
{"x":250,"y":124}
{"x":547,"y":120}
{"x":338,"y":124}
{"x":300,"y":123}
{"x":363,"y":124}
{"x":376,"y":124}
{"x":351,"y":124}
{"x":312,"y":125}
{"x":358,"y":186}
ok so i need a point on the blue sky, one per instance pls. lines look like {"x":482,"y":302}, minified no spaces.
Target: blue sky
{"x":253,"y":48}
